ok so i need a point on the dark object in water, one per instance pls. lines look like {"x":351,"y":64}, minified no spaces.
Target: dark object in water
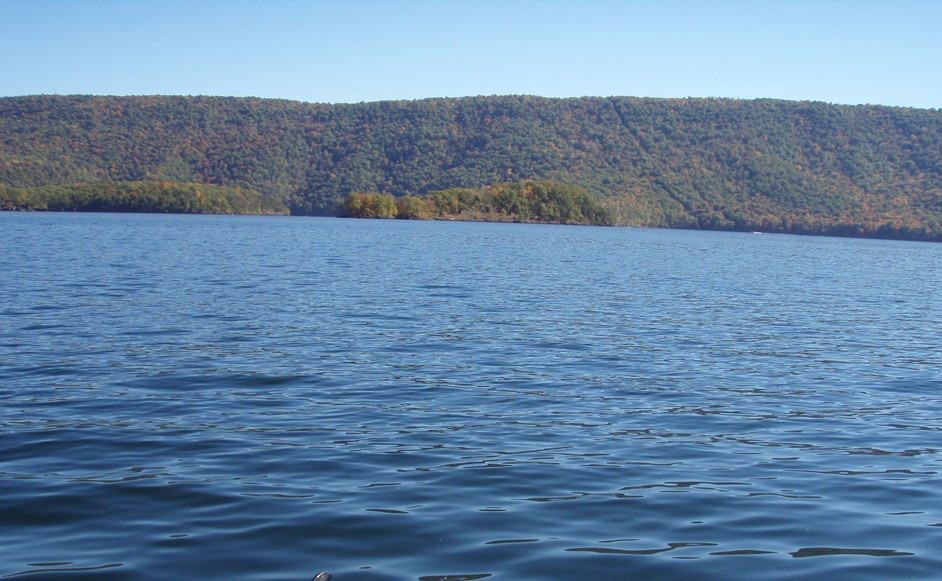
{"x":321,"y":577}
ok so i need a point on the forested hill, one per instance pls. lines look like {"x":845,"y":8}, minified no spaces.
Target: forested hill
{"x":693,"y":163}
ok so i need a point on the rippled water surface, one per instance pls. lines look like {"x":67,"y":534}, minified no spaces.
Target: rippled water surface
{"x":192,"y":397}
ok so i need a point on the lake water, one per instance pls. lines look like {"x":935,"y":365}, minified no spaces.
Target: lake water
{"x":260,"y":398}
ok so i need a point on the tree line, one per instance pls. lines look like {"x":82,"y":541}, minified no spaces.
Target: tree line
{"x":770,"y":165}
{"x":525,"y":201}
{"x":150,"y":197}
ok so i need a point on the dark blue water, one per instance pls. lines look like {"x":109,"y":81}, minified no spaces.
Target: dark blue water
{"x":191,"y":397}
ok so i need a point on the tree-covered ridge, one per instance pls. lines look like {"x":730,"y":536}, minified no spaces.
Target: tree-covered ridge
{"x":150,"y":197}
{"x":693,"y":163}
{"x":526,"y":201}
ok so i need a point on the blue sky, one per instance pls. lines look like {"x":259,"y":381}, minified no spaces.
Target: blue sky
{"x":839,"y":51}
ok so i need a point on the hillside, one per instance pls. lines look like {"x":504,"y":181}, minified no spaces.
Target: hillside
{"x":691,"y":163}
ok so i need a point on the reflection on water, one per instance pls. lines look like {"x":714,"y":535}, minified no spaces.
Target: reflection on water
{"x":263,"y":398}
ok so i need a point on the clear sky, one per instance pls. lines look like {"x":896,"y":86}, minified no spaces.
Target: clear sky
{"x":885,"y":52}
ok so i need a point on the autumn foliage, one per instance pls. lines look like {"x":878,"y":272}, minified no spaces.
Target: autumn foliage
{"x":769,"y":165}
{"x":526,"y":201}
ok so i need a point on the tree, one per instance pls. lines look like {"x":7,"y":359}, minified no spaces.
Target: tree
{"x":412,"y":208}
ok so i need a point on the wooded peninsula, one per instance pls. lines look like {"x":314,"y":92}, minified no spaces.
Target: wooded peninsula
{"x":720,"y":164}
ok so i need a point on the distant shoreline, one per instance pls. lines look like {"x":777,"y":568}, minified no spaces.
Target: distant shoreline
{"x":498,"y":220}
{"x":704,"y":164}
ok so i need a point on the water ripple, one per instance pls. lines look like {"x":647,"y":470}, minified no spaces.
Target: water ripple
{"x":462,"y":401}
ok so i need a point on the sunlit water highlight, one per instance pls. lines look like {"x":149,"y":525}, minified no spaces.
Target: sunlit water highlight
{"x":192,"y":397}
